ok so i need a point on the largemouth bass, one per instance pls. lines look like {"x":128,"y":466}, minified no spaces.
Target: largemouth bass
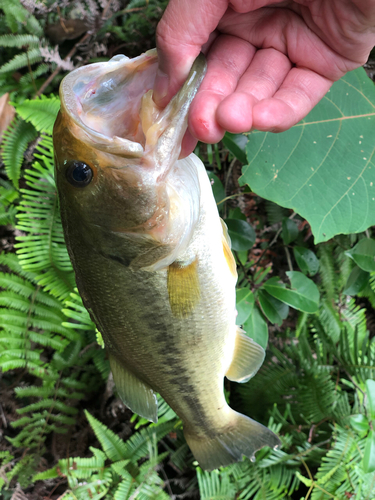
{"x":151,"y":256}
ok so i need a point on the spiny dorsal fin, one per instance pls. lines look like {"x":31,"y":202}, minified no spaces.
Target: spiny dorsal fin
{"x":183,"y":288}
{"x":247,"y":358}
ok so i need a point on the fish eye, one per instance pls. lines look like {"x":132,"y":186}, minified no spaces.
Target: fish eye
{"x":78,"y":173}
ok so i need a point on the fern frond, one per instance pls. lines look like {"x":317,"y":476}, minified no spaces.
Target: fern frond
{"x":112,"y":445}
{"x":40,"y":70}
{"x":317,"y":396}
{"x":335,"y":473}
{"x":42,"y":249}
{"x":19,"y":41}
{"x":15,"y":141}
{"x":22,"y":60}
{"x":41,"y":112}
{"x":372,"y":281}
{"x":356,"y":320}
{"x":215,"y":486}
{"x":34,"y":26}
{"x":76,"y":311}
{"x":327,"y":270}
{"x":125,"y":488}
{"x":18,"y":17}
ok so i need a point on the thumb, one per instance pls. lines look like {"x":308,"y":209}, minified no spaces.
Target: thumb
{"x":182,"y":31}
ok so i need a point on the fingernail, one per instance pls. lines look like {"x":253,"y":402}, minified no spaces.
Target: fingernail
{"x":161,"y":86}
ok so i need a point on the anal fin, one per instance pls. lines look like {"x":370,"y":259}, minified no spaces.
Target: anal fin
{"x":247,"y":358}
{"x":134,"y":393}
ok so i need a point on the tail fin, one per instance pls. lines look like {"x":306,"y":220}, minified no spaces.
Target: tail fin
{"x":243,"y":436}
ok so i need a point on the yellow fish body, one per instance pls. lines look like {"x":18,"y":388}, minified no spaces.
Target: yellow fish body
{"x":152,"y":257}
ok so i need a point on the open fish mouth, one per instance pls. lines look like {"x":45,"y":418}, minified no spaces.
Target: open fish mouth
{"x":104,"y":101}
{"x":111,"y":105}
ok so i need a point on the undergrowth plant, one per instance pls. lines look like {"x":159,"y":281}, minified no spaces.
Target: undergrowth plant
{"x":312,"y":307}
{"x":41,"y":41}
{"x":316,"y":389}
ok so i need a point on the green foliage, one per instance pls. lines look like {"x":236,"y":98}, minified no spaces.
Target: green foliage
{"x":124,"y":477}
{"x":15,"y":142}
{"x":322,"y":168}
{"x":41,"y":112}
{"x":41,"y":247}
{"x":316,"y":388}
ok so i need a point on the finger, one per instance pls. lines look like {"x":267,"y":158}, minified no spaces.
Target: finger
{"x":188,"y":144}
{"x":184,"y":28}
{"x":228,"y":59}
{"x":246,"y":6}
{"x":301,"y":90}
{"x":286,"y":31}
{"x":261,"y":80}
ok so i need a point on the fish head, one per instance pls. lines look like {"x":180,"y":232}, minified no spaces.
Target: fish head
{"x":99,"y":143}
{"x":114,"y":148}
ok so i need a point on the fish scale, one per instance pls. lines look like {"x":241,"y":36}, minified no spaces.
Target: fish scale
{"x":151,"y":256}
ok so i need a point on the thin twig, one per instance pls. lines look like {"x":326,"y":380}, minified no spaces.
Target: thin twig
{"x":290,"y":265}
{"x":31,"y":71}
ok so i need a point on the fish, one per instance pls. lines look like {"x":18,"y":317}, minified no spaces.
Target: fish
{"x":151,"y":256}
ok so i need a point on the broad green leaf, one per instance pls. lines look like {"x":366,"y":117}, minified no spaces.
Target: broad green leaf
{"x":363,"y":254}
{"x":290,"y":230}
{"x":275,"y":310}
{"x":370,"y":393}
{"x":356,"y":282}
{"x":235,"y":213}
{"x":244,"y":304}
{"x":303,"y":295}
{"x":242,"y":235}
{"x":217,"y":187}
{"x":323,"y":167}
{"x":256,"y":328}
{"x":307,"y":260}
{"x":369,"y":455}
{"x":236,"y":143}
{"x":359,"y":423}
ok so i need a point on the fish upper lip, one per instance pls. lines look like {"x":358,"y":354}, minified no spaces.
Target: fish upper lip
{"x":94,"y":126}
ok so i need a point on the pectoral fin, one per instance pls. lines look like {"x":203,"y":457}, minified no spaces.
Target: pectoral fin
{"x":139,"y":397}
{"x":247,"y":358}
{"x":183,"y":288}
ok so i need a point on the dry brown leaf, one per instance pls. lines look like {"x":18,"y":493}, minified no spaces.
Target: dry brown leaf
{"x":18,"y":494}
{"x":7,"y":113}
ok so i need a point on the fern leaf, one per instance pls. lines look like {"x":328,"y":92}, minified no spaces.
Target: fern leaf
{"x":27,"y":79}
{"x":17,"y":17}
{"x":41,"y":112}
{"x":125,"y":488}
{"x":112,"y":445}
{"x":43,"y":249}
{"x":356,"y":320}
{"x":34,"y":26}
{"x":19,"y":41}
{"x":215,"y":486}
{"x":15,"y":141}
{"x":22,"y":60}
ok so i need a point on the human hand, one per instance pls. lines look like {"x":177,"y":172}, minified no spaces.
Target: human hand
{"x":269,"y":61}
